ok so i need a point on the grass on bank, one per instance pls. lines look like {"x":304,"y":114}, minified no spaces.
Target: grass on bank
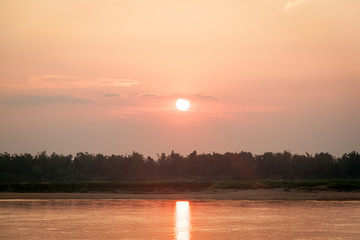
{"x":184,"y":186}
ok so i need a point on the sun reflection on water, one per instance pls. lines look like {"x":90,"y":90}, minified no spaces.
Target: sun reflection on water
{"x":182,"y":220}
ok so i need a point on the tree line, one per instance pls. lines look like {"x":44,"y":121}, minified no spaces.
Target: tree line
{"x":43,"y":167}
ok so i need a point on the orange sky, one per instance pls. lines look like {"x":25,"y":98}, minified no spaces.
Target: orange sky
{"x":103,"y":76}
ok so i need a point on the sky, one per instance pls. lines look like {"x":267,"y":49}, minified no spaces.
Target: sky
{"x":103,"y":76}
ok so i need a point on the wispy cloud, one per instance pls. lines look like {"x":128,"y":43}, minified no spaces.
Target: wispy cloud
{"x":250,"y":108}
{"x":43,"y":100}
{"x":54,"y":77}
{"x":111,"y":95}
{"x":53,"y":81}
{"x":202,"y":97}
{"x":116,"y":82}
{"x":293,"y":3}
{"x":70,"y":82}
{"x":207,"y":97}
{"x":148,"y":95}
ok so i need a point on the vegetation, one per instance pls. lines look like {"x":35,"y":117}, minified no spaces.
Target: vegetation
{"x":229,"y":166}
{"x":97,"y":172}
{"x":183,"y":186}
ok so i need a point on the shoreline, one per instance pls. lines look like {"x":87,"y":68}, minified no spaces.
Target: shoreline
{"x":258,"y":194}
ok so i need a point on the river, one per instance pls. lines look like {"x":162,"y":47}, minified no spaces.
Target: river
{"x":179,"y":220}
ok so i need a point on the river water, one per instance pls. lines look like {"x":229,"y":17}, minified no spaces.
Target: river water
{"x":179,"y":220}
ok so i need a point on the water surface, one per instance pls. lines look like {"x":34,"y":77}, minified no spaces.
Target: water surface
{"x":179,"y":220}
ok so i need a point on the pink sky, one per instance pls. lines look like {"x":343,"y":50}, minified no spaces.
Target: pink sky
{"x":103,"y":76}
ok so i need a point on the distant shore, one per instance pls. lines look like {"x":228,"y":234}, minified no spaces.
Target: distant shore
{"x":302,"y":189}
{"x":258,"y":194}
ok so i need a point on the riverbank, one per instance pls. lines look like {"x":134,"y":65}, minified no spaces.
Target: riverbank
{"x":183,"y":186}
{"x":258,"y":194}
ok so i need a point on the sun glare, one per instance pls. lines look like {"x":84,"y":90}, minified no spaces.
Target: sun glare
{"x":182,"y":220}
{"x":182,"y":104}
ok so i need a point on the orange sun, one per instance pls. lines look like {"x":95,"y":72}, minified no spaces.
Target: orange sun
{"x":182,"y":104}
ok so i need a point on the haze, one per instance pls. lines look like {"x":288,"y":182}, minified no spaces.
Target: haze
{"x":103,"y":76}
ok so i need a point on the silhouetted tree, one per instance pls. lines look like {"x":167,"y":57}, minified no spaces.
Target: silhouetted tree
{"x":215,"y":166}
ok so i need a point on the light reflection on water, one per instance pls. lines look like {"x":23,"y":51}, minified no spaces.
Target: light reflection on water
{"x":182,"y":220}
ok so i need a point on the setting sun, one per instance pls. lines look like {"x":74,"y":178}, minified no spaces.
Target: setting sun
{"x":182,"y":104}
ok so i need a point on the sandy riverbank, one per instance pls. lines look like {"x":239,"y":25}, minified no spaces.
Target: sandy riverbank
{"x":260,"y":194}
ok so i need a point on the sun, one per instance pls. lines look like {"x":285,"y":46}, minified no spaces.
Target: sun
{"x":182,"y":104}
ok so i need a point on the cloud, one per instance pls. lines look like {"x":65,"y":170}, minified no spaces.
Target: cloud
{"x":206,"y":97}
{"x":148,"y":95}
{"x":199,"y":97}
{"x":44,"y":100}
{"x":117,"y":82}
{"x":71,"y":82}
{"x":53,"y":77}
{"x":262,"y":109}
{"x":53,"y":81}
{"x":110,"y":95}
{"x":293,"y":3}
